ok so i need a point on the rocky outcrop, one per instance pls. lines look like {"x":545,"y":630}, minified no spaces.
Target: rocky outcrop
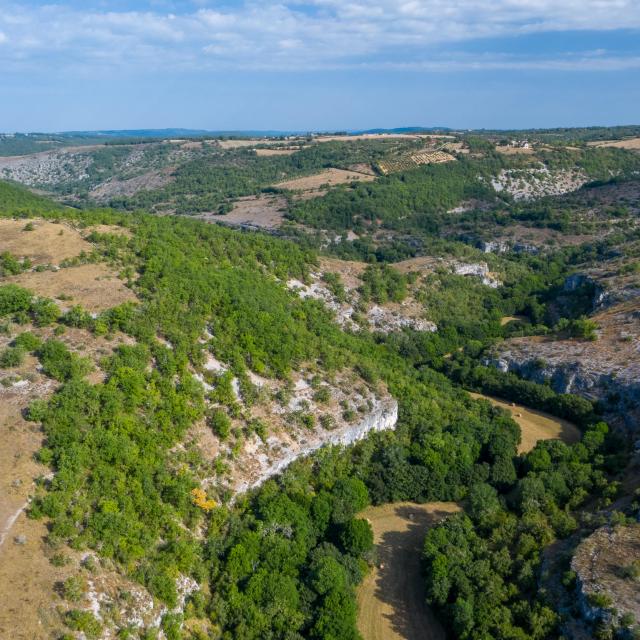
{"x":388,"y":320}
{"x":537,"y":182}
{"x":478,"y":269}
{"x":503,"y":246}
{"x":578,"y":367}
{"x":382,"y":417}
{"x":606,"y":564}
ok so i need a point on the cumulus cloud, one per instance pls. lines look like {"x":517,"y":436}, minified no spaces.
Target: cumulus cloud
{"x":302,"y":34}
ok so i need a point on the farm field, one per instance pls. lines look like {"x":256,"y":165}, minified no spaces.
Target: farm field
{"x":329,"y":177}
{"x":391,"y":602}
{"x":536,"y":425}
{"x":265,"y":153}
{"x":631,"y":143}
{"x":412,"y":161}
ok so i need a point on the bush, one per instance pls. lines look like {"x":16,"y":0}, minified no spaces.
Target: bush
{"x":11,"y":357}
{"x":59,"y":363}
{"x":83,"y":621}
{"x":28,"y":341}
{"x":220,"y":424}
{"x":14,"y":299}
{"x":73,"y":588}
{"x":44,"y":312}
{"x":78,"y":317}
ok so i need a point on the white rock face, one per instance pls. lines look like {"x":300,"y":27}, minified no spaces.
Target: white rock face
{"x":387,"y":320}
{"x":382,"y":417}
{"x":478,"y":269}
{"x":537,"y":182}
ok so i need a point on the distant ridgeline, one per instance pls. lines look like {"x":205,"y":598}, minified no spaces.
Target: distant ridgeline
{"x":283,"y":561}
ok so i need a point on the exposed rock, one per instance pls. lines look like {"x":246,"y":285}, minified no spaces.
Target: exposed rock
{"x":579,"y":367}
{"x":605,"y":565}
{"x":383,"y":416}
{"x":537,"y":181}
{"x":21,"y":539}
{"x":493,"y":246}
{"x":387,"y":320}
{"x":479,"y":269}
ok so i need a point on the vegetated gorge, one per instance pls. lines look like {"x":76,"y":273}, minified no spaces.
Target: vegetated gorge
{"x":329,"y":387}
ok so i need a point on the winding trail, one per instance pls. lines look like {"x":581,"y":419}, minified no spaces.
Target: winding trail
{"x":10,"y":522}
{"x":391,"y":599}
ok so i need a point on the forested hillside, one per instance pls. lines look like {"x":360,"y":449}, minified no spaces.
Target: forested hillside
{"x":145,"y":408}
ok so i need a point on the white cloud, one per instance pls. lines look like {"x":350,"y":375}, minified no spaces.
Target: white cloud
{"x":307,"y":34}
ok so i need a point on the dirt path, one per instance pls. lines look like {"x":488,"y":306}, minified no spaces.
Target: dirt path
{"x":391,"y":599}
{"x":536,"y":425}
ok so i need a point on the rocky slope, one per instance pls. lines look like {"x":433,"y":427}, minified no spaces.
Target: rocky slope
{"x":607,"y":568}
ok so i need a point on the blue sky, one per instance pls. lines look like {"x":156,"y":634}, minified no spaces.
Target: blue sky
{"x":318,"y":64}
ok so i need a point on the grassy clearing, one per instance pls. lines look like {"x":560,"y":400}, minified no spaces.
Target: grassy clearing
{"x":45,"y":243}
{"x":94,"y":286}
{"x":536,"y":425}
{"x":391,"y":601}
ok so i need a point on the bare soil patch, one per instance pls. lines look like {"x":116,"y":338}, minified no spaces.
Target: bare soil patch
{"x":535,"y":425}
{"x":94,"y":286}
{"x":329,"y":177}
{"x":350,"y":272}
{"x":421,"y":264}
{"x":47,"y":243}
{"x":262,"y":211}
{"x":391,"y":599}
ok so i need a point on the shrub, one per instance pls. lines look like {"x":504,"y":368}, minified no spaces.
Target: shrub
{"x":322,"y":395}
{"x":28,"y":341}
{"x":59,"y":363}
{"x":599,"y":600}
{"x":14,"y":299}
{"x":11,"y":357}
{"x":73,"y":588}
{"x":220,"y":424}
{"x":83,"y":621}
{"x":44,"y":312}
{"x":78,"y":317}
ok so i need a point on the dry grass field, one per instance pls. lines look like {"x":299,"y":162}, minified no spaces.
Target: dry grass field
{"x":47,"y":243}
{"x":391,"y":599}
{"x":536,"y":425}
{"x":508,"y":319}
{"x":94,"y":286}
{"x":631,"y":143}
{"x":27,"y":577}
{"x":246,"y":142}
{"x":329,"y":177}
{"x":508,"y":150}
{"x":275,"y":152}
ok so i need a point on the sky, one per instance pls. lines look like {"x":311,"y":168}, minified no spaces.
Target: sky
{"x":318,"y":64}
